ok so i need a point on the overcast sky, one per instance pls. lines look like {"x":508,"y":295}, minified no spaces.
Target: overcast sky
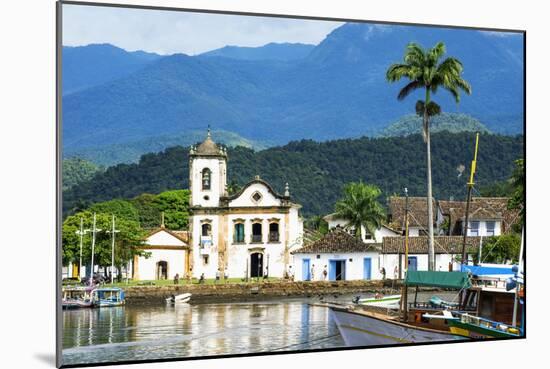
{"x":169,"y":32}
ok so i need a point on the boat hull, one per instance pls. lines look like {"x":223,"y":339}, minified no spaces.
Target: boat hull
{"x":477,"y":332}
{"x":68,"y":305}
{"x":363,"y":330}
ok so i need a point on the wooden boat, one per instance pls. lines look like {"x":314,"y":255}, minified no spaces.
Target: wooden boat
{"x":77,"y":297}
{"x":367,"y":328}
{"x":476,"y":327}
{"x":108,"y":296}
{"x":368,"y":324}
{"x":179,"y":299}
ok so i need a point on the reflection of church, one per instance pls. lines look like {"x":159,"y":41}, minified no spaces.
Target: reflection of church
{"x":250,"y":233}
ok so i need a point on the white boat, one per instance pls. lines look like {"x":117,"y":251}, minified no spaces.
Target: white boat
{"x":179,"y":299}
{"x":391,"y":301}
{"x":361,"y":328}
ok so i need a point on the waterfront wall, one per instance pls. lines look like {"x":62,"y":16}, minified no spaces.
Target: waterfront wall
{"x":253,"y":291}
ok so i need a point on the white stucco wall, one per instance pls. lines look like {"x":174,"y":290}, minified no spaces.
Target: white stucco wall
{"x":354,"y":268}
{"x":379,"y":234}
{"x":483,"y":227}
{"x":217,"y":185}
{"x":163,"y":238}
{"x":245,"y":199}
{"x":390,"y":261}
{"x":174,"y":258}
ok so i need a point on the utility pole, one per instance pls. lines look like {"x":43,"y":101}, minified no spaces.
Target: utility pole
{"x":112,"y":232}
{"x":468,"y":200}
{"x":518,"y":275}
{"x":405,"y":292}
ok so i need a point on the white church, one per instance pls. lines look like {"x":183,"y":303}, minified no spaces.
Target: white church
{"x":247,"y":234}
{"x":244,"y":235}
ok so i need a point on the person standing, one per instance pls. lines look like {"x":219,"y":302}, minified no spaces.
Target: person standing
{"x":383,"y":272}
{"x":312,"y":276}
{"x":177,"y":278}
{"x":217,"y":276}
{"x":325,"y":273}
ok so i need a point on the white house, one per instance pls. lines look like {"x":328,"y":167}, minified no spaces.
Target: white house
{"x":169,"y":255}
{"x":489,"y":216}
{"x":448,"y":251}
{"x":384,"y":231}
{"x":343,"y":256}
{"x":247,"y":234}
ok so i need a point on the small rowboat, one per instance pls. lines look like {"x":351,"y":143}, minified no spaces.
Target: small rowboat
{"x":179,"y":299}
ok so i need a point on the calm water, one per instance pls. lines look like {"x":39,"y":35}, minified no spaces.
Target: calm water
{"x":155,"y":332}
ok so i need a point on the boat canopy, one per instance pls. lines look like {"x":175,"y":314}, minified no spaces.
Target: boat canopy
{"x":456,"y":280}
{"x":488,"y":270}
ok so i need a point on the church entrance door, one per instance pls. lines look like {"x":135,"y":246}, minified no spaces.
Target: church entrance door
{"x":256,"y":265}
{"x":162,"y":270}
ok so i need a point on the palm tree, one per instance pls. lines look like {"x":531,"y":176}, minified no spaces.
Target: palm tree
{"x":424,"y":70}
{"x":360,"y":207}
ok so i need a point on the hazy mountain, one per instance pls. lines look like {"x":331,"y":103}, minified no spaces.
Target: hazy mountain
{"x":271,"y":51}
{"x":338,"y":90}
{"x":448,"y":122}
{"x":130,"y":152}
{"x":95,"y":64}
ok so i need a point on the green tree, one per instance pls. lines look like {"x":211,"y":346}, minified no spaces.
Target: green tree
{"x":425,"y":70}
{"x":501,"y":249}
{"x":175,"y":205}
{"x":149,"y":214}
{"x":77,"y":170}
{"x":122,"y":209}
{"x":317,"y":223}
{"x":127,"y":241}
{"x":360,"y":207}
{"x":517,"y":200}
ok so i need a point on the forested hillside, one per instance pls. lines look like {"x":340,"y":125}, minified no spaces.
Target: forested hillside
{"x":317,"y":172}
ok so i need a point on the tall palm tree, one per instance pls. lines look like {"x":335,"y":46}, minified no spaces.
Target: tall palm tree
{"x":425,"y":70}
{"x":360,"y":207}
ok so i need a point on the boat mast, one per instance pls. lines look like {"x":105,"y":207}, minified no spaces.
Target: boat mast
{"x":81,"y":234}
{"x":405,"y":292}
{"x":468,"y":200}
{"x":94,"y":230}
{"x":520,"y":270}
{"x":113,"y":231}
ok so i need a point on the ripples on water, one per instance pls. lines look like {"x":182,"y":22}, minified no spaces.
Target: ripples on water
{"x":157,"y":332}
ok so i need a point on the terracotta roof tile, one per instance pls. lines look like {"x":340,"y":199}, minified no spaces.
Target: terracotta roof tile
{"x":419,"y":245}
{"x":418,"y":212}
{"x":337,"y":240}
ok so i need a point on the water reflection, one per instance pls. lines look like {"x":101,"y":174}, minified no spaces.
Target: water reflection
{"x":154,"y":332}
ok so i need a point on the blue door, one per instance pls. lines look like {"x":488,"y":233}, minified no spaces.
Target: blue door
{"x":367,"y":264}
{"x":305,"y":270}
{"x":337,"y":270}
{"x":332,"y":270}
{"x":413,"y":263}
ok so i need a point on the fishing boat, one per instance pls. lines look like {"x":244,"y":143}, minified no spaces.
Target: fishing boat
{"x":108,"y":296}
{"x":371,"y":325}
{"x":77,"y":297}
{"x":179,"y":299}
{"x":390,"y":301}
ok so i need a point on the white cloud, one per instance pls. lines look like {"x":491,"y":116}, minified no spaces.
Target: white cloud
{"x":168,"y":32}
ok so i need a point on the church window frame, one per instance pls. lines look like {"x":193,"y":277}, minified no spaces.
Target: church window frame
{"x":256,"y":235}
{"x":274,"y":231}
{"x":238,"y":231}
{"x":256,"y":197}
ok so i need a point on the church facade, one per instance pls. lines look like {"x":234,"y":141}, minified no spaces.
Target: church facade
{"x":247,"y":234}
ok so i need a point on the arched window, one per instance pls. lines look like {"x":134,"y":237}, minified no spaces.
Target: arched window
{"x":206,"y":178}
{"x":206,"y":229}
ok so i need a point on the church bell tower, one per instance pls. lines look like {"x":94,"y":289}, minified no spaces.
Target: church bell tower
{"x":207,"y":173}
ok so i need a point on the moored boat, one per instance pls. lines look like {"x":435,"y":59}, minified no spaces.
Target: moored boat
{"x":77,"y":297}
{"x":369,"y":325}
{"x":177,"y":299}
{"x":108,"y":296}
